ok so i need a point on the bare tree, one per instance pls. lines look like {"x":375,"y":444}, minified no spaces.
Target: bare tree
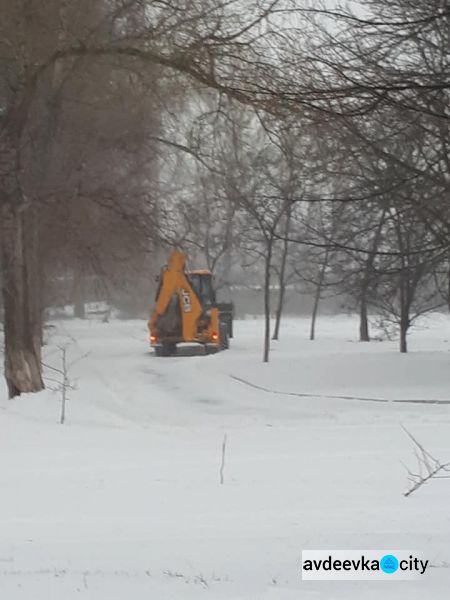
{"x":428,"y":467}
{"x":40,"y":41}
{"x":406,"y":288}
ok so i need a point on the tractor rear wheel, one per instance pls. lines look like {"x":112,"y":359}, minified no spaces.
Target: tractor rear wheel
{"x":166,"y":349}
{"x":224,"y":339}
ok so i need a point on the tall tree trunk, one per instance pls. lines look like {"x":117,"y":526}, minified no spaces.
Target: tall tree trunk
{"x":312,"y":331}
{"x":448,"y":282}
{"x":79,"y":311}
{"x":404,"y":306}
{"x":364,"y":335}
{"x":227,"y":260}
{"x":281,"y":279}
{"x":19,"y":233}
{"x":268,"y":265}
{"x":317,"y":296}
{"x":19,"y":263}
{"x":404,"y":284}
{"x":403,"y":337}
{"x":33,"y":278}
{"x":22,"y":315}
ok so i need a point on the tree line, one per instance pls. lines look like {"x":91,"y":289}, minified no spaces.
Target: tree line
{"x":305,"y":141}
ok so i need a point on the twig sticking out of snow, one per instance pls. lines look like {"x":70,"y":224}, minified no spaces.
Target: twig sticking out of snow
{"x":428,"y":467}
{"x":222,"y":464}
{"x":64,"y":384}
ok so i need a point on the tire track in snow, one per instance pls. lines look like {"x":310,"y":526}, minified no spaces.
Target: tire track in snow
{"x":331,"y":397}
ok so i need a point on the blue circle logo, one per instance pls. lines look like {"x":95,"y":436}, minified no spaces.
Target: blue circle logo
{"x":389,"y":564}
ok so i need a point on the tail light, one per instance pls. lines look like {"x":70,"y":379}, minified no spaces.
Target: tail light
{"x":153,"y":339}
{"x":215,"y":337}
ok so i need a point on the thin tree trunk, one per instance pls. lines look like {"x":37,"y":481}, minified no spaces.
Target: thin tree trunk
{"x":281,"y":280}
{"x":268,"y":265}
{"x":317,"y":296}
{"x":404,"y":307}
{"x":79,"y":311}
{"x":404,"y":288}
{"x":312,"y":332}
{"x":227,"y":261}
{"x":448,"y":283}
{"x":279,"y":310}
{"x":364,"y":335}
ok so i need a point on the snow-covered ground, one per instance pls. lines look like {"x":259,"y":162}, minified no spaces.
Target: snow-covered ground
{"x":125,"y":500}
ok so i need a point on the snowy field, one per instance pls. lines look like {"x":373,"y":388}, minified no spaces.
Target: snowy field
{"x":125,"y":500}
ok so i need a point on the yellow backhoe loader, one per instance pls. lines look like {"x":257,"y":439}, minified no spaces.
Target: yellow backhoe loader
{"x":187,"y":311}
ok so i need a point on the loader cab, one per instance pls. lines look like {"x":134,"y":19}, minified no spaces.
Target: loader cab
{"x":202,"y":285}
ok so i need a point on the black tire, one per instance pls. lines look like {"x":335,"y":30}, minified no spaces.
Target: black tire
{"x":171,"y":348}
{"x":211,"y":349}
{"x":166,"y":349}
{"x":224,"y":342}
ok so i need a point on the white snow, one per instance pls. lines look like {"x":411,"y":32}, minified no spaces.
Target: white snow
{"x":125,"y":501}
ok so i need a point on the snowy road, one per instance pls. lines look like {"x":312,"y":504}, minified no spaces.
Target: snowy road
{"x":125,"y":499}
